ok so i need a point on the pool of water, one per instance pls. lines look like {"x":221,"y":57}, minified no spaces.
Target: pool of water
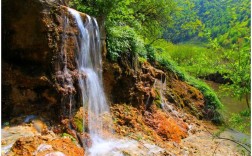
{"x":231,"y":104}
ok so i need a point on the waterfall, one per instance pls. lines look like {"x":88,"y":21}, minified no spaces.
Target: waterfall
{"x":89,"y":62}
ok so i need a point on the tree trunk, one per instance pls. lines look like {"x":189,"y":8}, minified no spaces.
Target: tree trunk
{"x":247,"y":100}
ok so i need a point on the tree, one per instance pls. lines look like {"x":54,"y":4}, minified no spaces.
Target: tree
{"x":238,"y":70}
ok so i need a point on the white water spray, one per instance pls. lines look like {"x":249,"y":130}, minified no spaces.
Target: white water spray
{"x":160,"y":85}
{"x":90,"y":64}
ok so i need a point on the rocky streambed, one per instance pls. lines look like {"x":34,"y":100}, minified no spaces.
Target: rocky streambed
{"x":26,"y":139}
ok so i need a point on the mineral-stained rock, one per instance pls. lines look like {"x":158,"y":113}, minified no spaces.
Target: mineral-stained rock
{"x":150,"y":101}
{"x":156,"y":125}
{"x":141,"y":88}
{"x":191,"y":98}
{"x":38,"y":58}
{"x":43,"y":145}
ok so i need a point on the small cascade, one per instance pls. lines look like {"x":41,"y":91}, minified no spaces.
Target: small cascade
{"x":161,"y":86}
{"x":63,"y":76}
{"x":148,"y":99}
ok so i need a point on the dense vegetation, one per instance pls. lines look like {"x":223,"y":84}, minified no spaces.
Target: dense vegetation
{"x":225,"y":20}
{"x":215,"y":37}
{"x":199,"y":37}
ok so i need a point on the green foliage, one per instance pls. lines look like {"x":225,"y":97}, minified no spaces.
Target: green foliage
{"x":131,"y":24}
{"x":150,"y":53}
{"x":154,"y":16}
{"x":225,"y":20}
{"x":125,"y":40}
{"x":210,"y":96}
{"x":66,"y":135}
{"x":95,"y":8}
{"x":236,"y":66}
{"x":226,"y":26}
{"x":240,"y":121}
{"x":134,"y":24}
{"x":186,"y":23}
{"x":194,"y":58}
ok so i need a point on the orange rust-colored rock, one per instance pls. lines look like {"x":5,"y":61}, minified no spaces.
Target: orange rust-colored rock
{"x":30,"y":146}
{"x":129,"y":121}
{"x":156,"y":125}
{"x":168,"y":128}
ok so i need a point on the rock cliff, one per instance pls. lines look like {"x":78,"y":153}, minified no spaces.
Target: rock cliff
{"x":38,"y":62}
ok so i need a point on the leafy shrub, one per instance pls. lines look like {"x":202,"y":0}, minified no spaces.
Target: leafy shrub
{"x":150,"y":53}
{"x":142,"y":59}
{"x":124,"y":40}
{"x":240,"y":121}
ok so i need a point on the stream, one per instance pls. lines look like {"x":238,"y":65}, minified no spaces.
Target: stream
{"x":231,"y":105}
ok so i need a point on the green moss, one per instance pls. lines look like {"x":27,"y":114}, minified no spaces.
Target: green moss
{"x":158,"y":100}
{"x":79,"y":123}
{"x":158,"y":97}
{"x":142,"y":59}
{"x":66,"y":135}
{"x":158,"y":103}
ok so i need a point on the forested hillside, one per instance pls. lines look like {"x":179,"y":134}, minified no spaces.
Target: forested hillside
{"x":201,"y":20}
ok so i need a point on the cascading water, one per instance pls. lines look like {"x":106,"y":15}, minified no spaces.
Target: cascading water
{"x":90,"y":64}
{"x":161,"y":86}
{"x":165,"y":105}
{"x":93,"y":98}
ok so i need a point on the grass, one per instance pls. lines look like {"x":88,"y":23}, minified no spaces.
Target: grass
{"x":196,"y":59}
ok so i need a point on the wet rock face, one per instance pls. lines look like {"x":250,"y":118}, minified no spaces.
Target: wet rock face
{"x":125,"y":85}
{"x":38,"y":46}
{"x":141,"y":88}
{"x":189,"y":97}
